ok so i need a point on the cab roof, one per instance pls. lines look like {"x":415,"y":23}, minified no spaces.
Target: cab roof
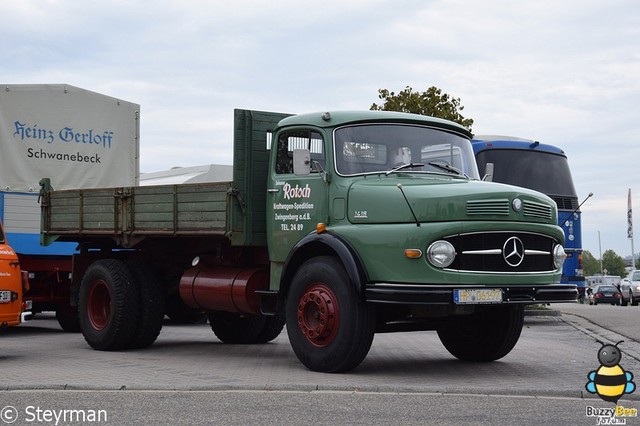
{"x":482,"y":142}
{"x":340,"y":118}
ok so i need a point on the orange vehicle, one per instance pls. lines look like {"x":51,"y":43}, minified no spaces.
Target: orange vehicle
{"x":13,"y":284}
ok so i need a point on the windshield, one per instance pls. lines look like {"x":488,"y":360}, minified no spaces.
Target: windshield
{"x":382,"y":148}
{"x":542,"y":171}
{"x":607,"y":288}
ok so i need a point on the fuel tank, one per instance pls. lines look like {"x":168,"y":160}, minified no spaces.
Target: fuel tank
{"x":228,"y":289}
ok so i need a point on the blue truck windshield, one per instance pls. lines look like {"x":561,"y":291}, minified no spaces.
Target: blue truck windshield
{"x":542,"y":171}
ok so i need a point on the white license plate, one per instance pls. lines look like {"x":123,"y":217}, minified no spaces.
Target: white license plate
{"x":475,"y":295}
{"x":5,"y":296}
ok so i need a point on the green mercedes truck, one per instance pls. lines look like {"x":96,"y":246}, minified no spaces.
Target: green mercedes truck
{"x":338,"y":224}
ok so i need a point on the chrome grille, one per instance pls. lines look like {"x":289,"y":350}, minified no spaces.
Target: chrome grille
{"x":487,"y":252}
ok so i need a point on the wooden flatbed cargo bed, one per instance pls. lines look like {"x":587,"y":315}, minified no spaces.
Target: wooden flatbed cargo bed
{"x":129,"y":212}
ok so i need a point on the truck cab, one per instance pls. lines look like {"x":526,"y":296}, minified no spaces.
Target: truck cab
{"x":13,"y":310}
{"x":391,"y":207}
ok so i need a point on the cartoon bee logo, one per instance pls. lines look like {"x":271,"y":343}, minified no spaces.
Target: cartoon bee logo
{"x":610,"y":381}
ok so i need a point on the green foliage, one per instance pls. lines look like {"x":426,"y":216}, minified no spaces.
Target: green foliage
{"x":590,"y":264}
{"x":432,"y":102}
{"x":613,"y":263}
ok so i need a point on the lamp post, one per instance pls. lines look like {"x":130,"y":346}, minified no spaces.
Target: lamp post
{"x":600,"y":247}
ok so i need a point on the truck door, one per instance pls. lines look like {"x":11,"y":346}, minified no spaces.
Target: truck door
{"x":295,"y":203}
{"x":10,"y":285}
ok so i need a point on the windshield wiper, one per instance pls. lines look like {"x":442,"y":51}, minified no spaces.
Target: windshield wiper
{"x":404,"y":166}
{"x":447,"y":167}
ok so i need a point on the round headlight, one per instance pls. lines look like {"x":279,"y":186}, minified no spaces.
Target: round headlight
{"x":441,"y":254}
{"x":559,"y":256}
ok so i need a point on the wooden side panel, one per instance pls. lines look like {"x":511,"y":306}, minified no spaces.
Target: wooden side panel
{"x":188,"y":209}
{"x":196,"y":208}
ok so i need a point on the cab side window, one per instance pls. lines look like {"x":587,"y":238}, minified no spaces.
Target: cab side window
{"x":299,"y":139}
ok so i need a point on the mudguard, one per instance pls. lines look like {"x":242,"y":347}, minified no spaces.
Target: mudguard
{"x":325,"y":243}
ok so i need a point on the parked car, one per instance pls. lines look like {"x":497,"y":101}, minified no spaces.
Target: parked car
{"x":630,"y":288}
{"x":607,"y":294}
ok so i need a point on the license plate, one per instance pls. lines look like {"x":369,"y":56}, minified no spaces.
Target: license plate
{"x":475,"y":295}
{"x":5,"y":296}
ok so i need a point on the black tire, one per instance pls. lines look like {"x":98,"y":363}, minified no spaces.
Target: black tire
{"x":273,"y":326}
{"x":151,"y":306}
{"x":484,"y":336}
{"x":108,"y":305}
{"x":236,"y":328}
{"x":634,"y":301}
{"x":330,"y":327}
{"x":68,"y":319}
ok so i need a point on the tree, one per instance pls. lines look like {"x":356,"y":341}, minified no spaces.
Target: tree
{"x":590,"y":264}
{"x":613,"y":263}
{"x":431,"y":102}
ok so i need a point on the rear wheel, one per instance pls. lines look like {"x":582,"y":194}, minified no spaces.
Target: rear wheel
{"x":484,"y":336}
{"x":237,"y":328}
{"x":108,"y":305}
{"x":330,"y":327}
{"x":273,"y":326}
{"x":68,"y":319}
{"x":151,"y":306}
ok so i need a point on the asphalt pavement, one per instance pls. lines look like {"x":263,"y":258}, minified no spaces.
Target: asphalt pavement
{"x":190,"y":377}
{"x":552,"y":358}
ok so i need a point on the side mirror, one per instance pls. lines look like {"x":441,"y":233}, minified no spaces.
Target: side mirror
{"x":488,"y":173}
{"x":301,"y":162}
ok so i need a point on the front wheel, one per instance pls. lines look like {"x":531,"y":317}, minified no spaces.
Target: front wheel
{"x":487,"y":335}
{"x":330,"y":327}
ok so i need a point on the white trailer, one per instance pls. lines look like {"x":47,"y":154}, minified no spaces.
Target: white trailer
{"x":79,"y":139}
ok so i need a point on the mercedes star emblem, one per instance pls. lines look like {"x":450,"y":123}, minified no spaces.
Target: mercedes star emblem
{"x":513,"y":251}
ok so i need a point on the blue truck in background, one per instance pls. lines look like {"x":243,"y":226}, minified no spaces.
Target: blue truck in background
{"x":544,"y":168}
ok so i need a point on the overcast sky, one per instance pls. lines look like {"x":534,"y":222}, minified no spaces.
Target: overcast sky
{"x":565,"y":73}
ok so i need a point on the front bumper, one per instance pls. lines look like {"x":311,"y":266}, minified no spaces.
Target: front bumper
{"x":605,"y":300}
{"x":410,"y":294}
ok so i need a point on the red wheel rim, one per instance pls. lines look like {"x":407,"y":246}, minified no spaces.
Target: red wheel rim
{"x":99,"y":305}
{"x":319,"y":315}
